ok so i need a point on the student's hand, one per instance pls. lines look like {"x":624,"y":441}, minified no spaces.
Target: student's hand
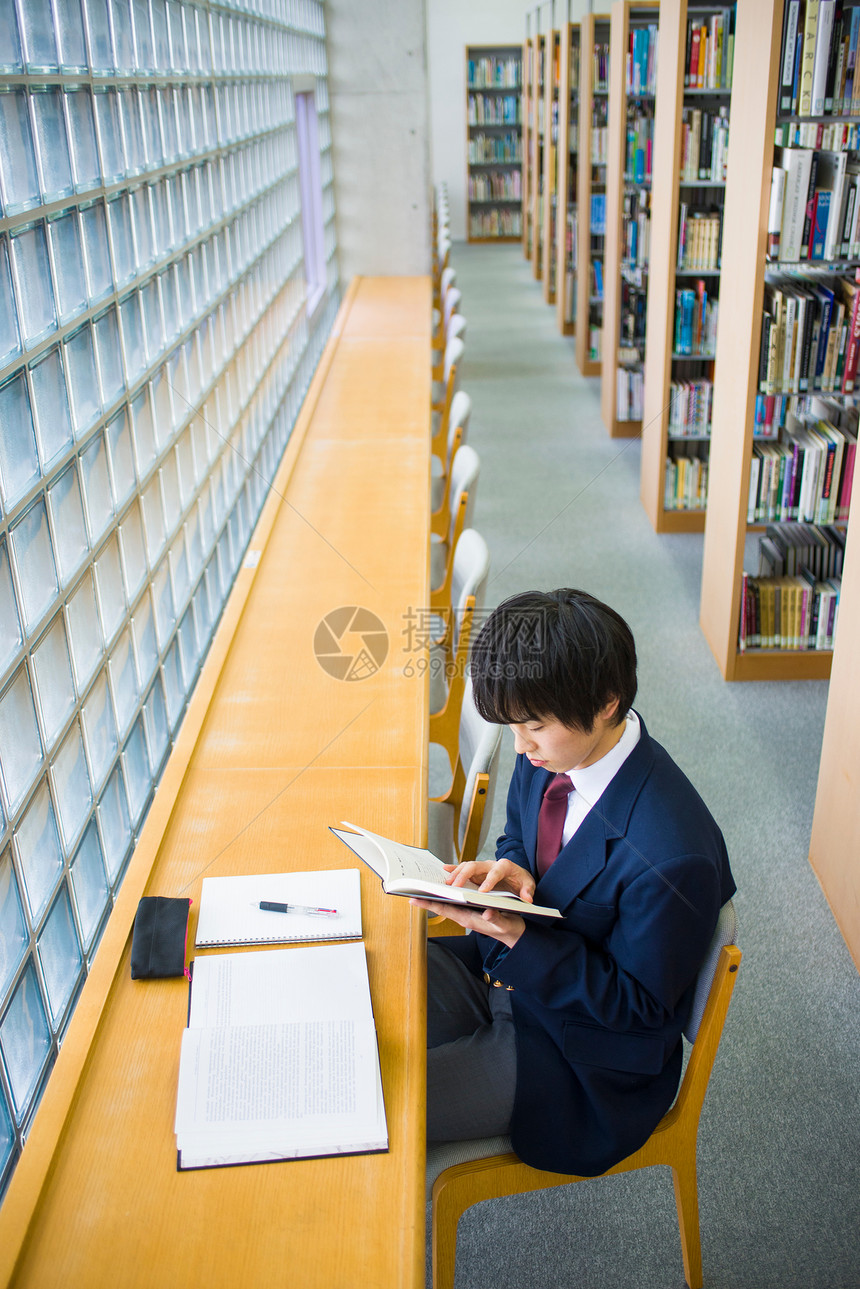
{"x":489,"y":875}
{"x":507,"y":927}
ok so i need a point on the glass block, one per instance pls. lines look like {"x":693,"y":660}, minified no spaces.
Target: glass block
{"x":109,"y":588}
{"x":187,"y":471}
{"x":177,"y":377}
{"x":160,"y":34}
{"x":60,"y":956}
{"x":123,"y":682}
{"x":150,"y":298}
{"x":171,"y":311}
{"x":95,"y":479}
{"x":51,"y":407}
{"x":121,"y":458}
{"x":99,"y":731}
{"x":142,"y":432}
{"x":67,"y":517}
{"x":123,"y":44}
{"x":19,"y":461}
{"x":52,"y":144}
{"x":132,"y":551}
{"x":119,"y":219}
{"x":82,"y":379}
{"x":7,"y":1134}
{"x":162,"y":596}
{"x":203,"y":616}
{"x":162,"y":234}
{"x":156,"y":725}
{"x":163,"y":413}
{"x":25,"y":1041}
{"x":85,"y":635}
{"x":178,"y":53}
{"x":145,"y":247}
{"x":188,"y":647}
{"x":19,"y":182}
{"x":31,"y":273}
{"x":13,"y":931}
{"x":99,"y":272}
{"x":37,"y":34}
{"x":11,"y":636}
{"x":52,"y":675}
{"x":132,"y":131}
{"x":98,"y":29}
{"x":115,"y":824}
{"x":138,"y":777}
{"x":153,"y":520}
{"x":10,"y":61}
{"x":110,"y":136}
{"x":178,"y":559}
{"x":70,"y":35}
{"x":89,"y":883}
{"x":86,"y":169}
{"x":143,"y":45}
{"x":143,"y":635}
{"x":39,"y":855}
{"x":67,"y":255}
{"x":174,"y":686}
{"x":109,"y":357}
{"x":72,"y":791}
{"x":170,"y":492}
{"x":34,"y":563}
{"x":10,"y":340}
{"x":168,"y":125}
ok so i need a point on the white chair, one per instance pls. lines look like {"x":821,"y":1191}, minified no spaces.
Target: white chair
{"x":440,"y":478}
{"x":460,"y":1174}
{"x":441,"y":411}
{"x":462,"y":484}
{"x":459,"y":821}
{"x":449,"y":652}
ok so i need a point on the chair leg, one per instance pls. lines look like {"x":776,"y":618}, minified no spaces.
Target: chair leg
{"x":687,"y":1201}
{"x":446,"y":1215}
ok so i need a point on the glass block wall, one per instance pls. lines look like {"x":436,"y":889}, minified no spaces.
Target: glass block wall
{"x":154,"y":352}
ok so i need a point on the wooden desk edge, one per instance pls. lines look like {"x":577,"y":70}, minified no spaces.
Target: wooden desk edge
{"x":33,"y":1167}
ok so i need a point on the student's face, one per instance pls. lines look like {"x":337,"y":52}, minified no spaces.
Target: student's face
{"x":553,"y":746}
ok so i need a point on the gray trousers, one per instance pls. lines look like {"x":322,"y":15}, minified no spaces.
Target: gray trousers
{"x":471,"y":1052}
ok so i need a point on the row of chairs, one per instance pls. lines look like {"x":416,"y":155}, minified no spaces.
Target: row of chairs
{"x":460,"y":1174}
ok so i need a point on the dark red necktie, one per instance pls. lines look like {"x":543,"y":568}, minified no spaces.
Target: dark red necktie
{"x":553,"y":812}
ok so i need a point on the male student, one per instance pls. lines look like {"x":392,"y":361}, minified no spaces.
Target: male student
{"x":567,"y":1034}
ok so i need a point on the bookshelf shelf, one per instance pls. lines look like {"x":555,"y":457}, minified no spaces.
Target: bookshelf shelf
{"x":632,"y":79}
{"x":567,"y":170}
{"x":494,"y":142}
{"x":747,"y":371}
{"x":685,"y":250}
{"x":591,"y":181}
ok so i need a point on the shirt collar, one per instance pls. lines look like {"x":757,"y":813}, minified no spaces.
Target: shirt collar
{"x":591,"y":781}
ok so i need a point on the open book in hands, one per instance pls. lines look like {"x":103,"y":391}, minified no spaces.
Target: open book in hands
{"x":408,"y":870}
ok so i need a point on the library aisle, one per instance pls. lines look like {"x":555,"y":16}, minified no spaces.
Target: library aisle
{"x":558,"y":503}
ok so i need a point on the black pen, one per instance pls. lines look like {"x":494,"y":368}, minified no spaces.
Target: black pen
{"x":272,"y":906}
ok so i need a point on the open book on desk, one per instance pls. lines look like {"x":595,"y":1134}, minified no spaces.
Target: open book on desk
{"x":230,"y":910}
{"x":409,"y":870}
{"x":279,"y":1060}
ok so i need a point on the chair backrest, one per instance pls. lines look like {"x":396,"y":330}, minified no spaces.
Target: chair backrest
{"x":480,"y":743}
{"x":464,"y":478}
{"x":725,"y":933}
{"x":458,"y":419}
{"x":450,"y":302}
{"x":454,"y":351}
{"x":469,"y":575}
{"x":447,"y":281}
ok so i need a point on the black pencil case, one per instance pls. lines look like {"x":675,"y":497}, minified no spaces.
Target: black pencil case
{"x":160,"y":936}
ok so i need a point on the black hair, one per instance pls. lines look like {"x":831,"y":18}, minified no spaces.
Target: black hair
{"x":561,"y":654}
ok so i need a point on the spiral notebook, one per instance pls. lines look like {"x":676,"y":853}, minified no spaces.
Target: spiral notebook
{"x":230,"y":910}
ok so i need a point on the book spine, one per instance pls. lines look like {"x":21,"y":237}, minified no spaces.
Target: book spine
{"x":807,"y":70}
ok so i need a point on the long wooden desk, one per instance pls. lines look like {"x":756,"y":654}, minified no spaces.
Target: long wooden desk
{"x":272,"y":750}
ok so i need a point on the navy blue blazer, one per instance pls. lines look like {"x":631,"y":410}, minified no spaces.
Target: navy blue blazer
{"x":600,"y":999}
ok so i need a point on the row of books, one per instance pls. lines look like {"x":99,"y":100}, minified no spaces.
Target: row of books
{"x":710,"y":52}
{"x":639,"y":147}
{"x":504,"y":185}
{"x":700,"y":235}
{"x":772,"y":411}
{"x":807,"y":476}
{"x":832,"y":136}
{"x":496,"y":109}
{"x":685,"y":483}
{"x":814,"y":211}
{"x":484,"y":149}
{"x":630,"y":393}
{"x":496,"y":223}
{"x":818,"y":63}
{"x":636,"y":228}
{"x":788,"y":549}
{"x":599,"y":145}
{"x":810,"y":336}
{"x":598,"y":214}
{"x":596,"y":292}
{"x":600,"y":69}
{"x":641,"y":61}
{"x":490,"y":70}
{"x":788,"y":612}
{"x":690,"y":407}
{"x":704,"y":145}
{"x":634,"y":309}
{"x":696,"y":316}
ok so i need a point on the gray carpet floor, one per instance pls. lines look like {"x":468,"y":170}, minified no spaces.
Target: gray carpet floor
{"x":779,"y":1142}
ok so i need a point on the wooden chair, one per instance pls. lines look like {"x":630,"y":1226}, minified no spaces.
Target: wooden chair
{"x":441,"y":411}
{"x":440,"y":479}
{"x":459,"y":820}
{"x":462,"y":489}
{"x":488,"y":1169}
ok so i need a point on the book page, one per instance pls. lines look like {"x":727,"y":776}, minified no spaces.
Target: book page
{"x":230,"y":912}
{"x":400,"y":860}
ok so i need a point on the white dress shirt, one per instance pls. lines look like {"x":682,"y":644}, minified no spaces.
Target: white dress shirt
{"x":592,"y":781}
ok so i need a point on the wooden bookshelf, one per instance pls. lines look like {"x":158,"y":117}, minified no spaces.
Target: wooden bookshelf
{"x":756,"y":84}
{"x":528,"y":145}
{"x":538,"y":110}
{"x":568,"y":152}
{"x":591,"y":182}
{"x":672,"y":186}
{"x":631,"y":110}
{"x":494,"y":158}
{"x":552,"y":86}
